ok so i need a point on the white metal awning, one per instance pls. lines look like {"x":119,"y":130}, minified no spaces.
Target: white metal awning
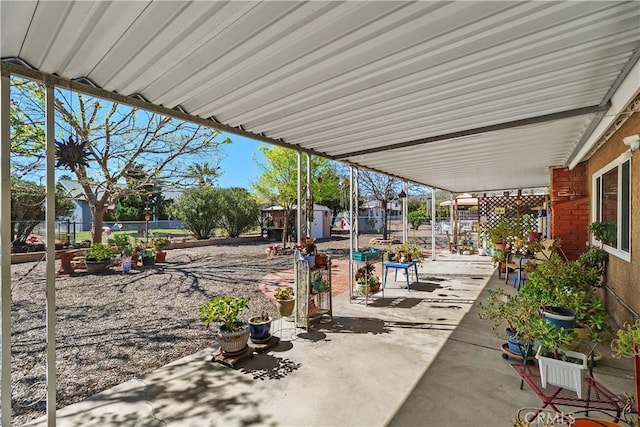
{"x":465,"y":96}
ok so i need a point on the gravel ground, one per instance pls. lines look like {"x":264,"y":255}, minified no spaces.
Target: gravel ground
{"x":114,"y":327}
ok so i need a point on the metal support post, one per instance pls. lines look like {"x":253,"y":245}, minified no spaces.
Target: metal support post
{"x":299,"y":207}
{"x":50,"y":218}
{"x":6,"y":237}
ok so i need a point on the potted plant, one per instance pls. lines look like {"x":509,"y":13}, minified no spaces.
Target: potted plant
{"x":260,"y":328}
{"x":321,"y":260}
{"x":98,"y":258}
{"x":122,"y":242}
{"x":627,"y":344}
{"x":498,"y":258}
{"x":285,"y":302}
{"x":595,"y":258}
{"x":532,"y":232}
{"x":603,"y":232}
{"x":408,"y":252}
{"x":558,"y":365}
{"x":362,"y":277}
{"x":233,"y":333}
{"x":159,"y":244}
{"x":514,"y":312}
{"x":307,"y":248}
{"x":148,"y":256}
{"x":498,"y":235}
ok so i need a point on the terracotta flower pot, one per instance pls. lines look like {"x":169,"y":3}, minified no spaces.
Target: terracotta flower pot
{"x":285,"y":307}
{"x":321,"y":260}
{"x":161,"y":256}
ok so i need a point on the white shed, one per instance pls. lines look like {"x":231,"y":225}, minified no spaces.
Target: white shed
{"x":320,"y":227}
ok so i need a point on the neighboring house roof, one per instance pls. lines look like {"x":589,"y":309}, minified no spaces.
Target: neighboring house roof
{"x":76,"y":192}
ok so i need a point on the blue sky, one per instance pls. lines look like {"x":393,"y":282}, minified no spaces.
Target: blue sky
{"x":239,"y":168}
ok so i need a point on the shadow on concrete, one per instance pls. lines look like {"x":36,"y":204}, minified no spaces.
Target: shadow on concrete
{"x":267,"y":367}
{"x":425,"y":286}
{"x":161,"y":395}
{"x":356,"y":325}
{"x":439,"y":324}
{"x":397,"y":302}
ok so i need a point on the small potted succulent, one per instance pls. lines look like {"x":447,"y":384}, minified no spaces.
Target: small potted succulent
{"x":260,"y":328}
{"x":285,"y":302}
{"x":233,"y":333}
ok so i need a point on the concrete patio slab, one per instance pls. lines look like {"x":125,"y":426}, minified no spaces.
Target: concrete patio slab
{"x":413,"y":358}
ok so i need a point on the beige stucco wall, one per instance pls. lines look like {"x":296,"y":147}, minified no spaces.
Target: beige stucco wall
{"x":622,"y":277}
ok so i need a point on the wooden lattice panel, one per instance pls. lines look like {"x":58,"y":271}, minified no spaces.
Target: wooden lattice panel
{"x":521,"y":210}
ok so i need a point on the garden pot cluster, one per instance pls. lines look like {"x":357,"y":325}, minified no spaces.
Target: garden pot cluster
{"x":557,"y":297}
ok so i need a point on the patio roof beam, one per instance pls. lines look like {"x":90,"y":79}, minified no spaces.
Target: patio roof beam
{"x":12,"y":66}
{"x":483,"y":129}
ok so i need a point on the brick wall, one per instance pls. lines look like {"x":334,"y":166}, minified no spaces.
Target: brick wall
{"x":569,"y":218}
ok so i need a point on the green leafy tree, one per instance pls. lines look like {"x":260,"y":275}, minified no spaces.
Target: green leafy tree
{"x":278,"y":181}
{"x":417,"y":218}
{"x":239,"y":211}
{"x":199,"y":209}
{"x":28,"y":208}
{"x":415,"y":204}
{"x":128,"y":150}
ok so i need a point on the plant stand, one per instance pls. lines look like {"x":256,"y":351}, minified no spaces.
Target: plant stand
{"x":232,"y":360}
{"x":313,"y":292}
{"x":506,"y":354}
{"x":263,"y":347}
{"x":359,"y":259}
{"x":65,"y":261}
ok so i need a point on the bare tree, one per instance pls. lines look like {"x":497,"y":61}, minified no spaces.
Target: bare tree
{"x":382,"y":188}
{"x":125,"y":150}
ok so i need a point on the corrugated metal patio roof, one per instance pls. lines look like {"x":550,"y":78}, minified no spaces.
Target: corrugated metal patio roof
{"x":465,"y":96}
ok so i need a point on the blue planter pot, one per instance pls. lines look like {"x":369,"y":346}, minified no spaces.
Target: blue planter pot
{"x":260,"y":331}
{"x":311,"y":259}
{"x":515,"y":345}
{"x":560,"y":317}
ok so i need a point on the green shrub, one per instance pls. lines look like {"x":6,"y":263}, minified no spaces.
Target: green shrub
{"x":239,"y":211}
{"x":199,"y":210}
{"x":99,"y":252}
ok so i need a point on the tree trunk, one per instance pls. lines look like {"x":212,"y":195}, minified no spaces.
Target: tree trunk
{"x":96,"y":226}
{"x":385,"y":221}
{"x":285,"y":227}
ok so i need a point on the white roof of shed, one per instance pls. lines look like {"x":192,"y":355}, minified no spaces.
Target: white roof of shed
{"x":465,"y":96}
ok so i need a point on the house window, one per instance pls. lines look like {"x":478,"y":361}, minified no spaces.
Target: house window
{"x":612,"y":204}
